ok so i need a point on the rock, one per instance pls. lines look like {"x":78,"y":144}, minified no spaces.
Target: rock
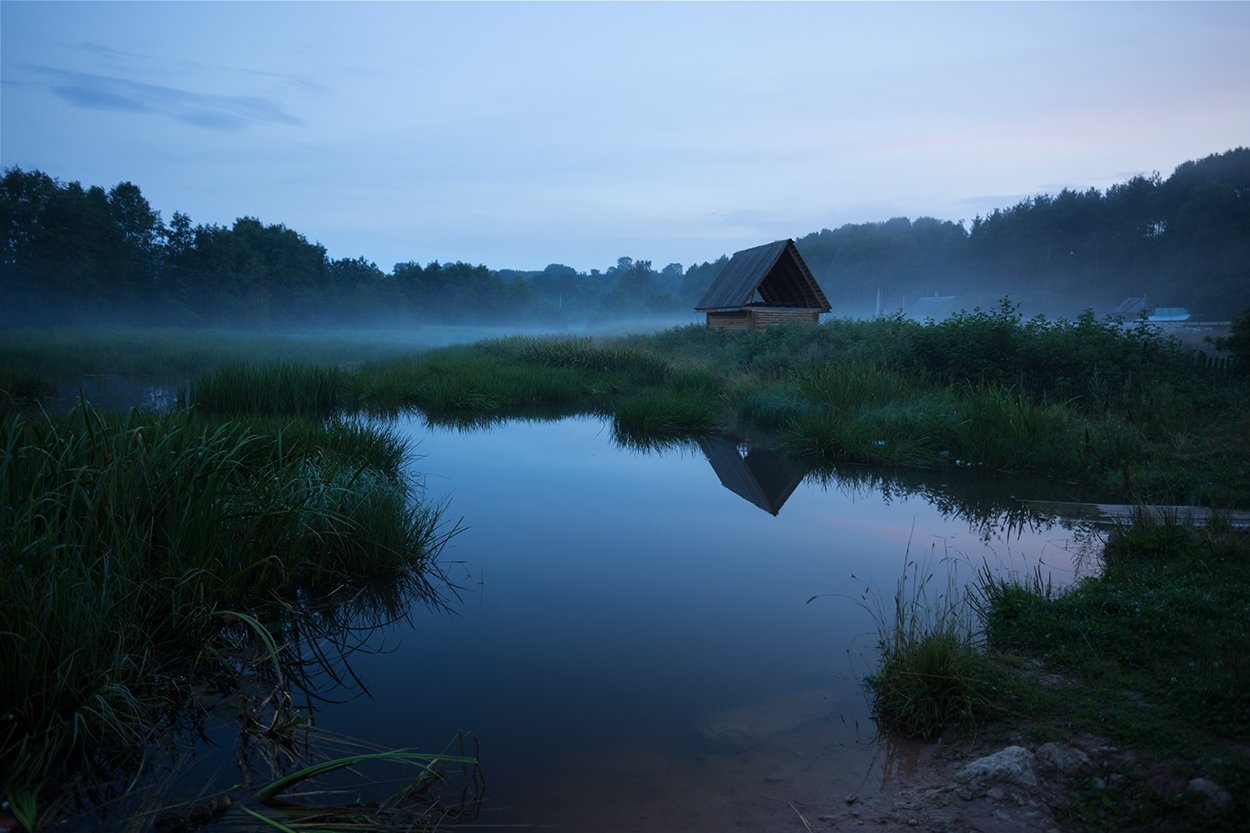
{"x":1216,"y":796}
{"x":1066,"y":760}
{"x":1012,"y":765}
{"x":995,"y":793}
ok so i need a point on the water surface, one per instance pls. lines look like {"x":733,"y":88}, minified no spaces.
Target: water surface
{"x":635,"y":642}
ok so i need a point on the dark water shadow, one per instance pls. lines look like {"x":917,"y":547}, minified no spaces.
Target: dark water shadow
{"x":227,"y":735}
{"x":109,"y":392}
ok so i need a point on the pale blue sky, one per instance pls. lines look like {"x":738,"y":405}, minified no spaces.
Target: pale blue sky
{"x":520,"y":134}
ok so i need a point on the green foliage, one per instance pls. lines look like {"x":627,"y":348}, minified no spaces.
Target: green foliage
{"x":527,"y":377}
{"x":937,"y":680}
{"x":932,"y":674}
{"x":277,"y":389}
{"x":1237,"y":342}
{"x":1165,"y":618}
{"x":664,"y":413}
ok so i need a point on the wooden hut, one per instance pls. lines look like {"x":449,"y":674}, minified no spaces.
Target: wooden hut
{"x":763,"y":286}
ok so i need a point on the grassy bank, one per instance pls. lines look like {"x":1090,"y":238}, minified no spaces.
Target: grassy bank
{"x":1132,"y":414}
{"x":135,"y":545}
{"x":1126,"y":410}
{"x":1148,"y":654}
{"x":475,"y":384}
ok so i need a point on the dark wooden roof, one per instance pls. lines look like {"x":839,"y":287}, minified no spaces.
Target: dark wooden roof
{"x":763,"y":477}
{"x":775,"y":271}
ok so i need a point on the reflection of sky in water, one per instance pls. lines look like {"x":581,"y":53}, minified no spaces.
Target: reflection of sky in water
{"x":610,"y":597}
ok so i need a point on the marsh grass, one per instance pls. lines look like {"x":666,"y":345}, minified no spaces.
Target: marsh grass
{"x":281,"y":389}
{"x":664,"y":414}
{"x":1124,"y":409}
{"x":126,"y":535}
{"x":1148,"y":653}
{"x":933,"y":672}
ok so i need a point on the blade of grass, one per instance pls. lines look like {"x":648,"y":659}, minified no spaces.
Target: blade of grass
{"x":277,"y":786}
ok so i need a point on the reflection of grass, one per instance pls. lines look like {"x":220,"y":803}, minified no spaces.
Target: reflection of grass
{"x":125,"y":535}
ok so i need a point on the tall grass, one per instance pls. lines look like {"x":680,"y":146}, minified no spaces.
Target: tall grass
{"x":933,"y":672}
{"x":124,"y":534}
{"x":279,"y":389}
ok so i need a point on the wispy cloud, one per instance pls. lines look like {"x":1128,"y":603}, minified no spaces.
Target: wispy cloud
{"x":145,"y":63}
{"x":216,"y":112}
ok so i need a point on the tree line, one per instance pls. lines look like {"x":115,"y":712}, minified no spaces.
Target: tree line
{"x":1180,"y":241}
{"x":71,"y":254}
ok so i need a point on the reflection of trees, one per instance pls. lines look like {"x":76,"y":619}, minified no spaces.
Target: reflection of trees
{"x":990,"y":503}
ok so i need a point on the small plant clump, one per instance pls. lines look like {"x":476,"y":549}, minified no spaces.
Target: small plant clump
{"x":933,"y":672}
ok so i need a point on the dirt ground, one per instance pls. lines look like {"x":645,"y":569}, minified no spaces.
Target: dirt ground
{"x":815,"y":777}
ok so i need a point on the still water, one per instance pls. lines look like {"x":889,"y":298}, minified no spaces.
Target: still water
{"x":634,"y":641}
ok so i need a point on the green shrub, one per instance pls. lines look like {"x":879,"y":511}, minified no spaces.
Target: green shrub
{"x":932,"y":672}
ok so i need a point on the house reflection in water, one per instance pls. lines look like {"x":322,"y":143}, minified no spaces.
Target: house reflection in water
{"x":765,"y":478}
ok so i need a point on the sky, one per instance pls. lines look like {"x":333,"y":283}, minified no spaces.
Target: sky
{"x":521,"y":134}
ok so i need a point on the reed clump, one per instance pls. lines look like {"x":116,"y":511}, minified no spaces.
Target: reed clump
{"x":933,"y":672}
{"x":125,"y":534}
{"x":280,"y":389}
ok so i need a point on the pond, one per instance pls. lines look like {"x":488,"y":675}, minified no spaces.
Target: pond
{"x":666,"y":640}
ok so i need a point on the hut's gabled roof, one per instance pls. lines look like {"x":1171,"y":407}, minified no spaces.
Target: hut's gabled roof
{"x":775,"y":271}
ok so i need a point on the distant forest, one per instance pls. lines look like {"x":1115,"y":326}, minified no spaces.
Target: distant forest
{"x":75,"y":254}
